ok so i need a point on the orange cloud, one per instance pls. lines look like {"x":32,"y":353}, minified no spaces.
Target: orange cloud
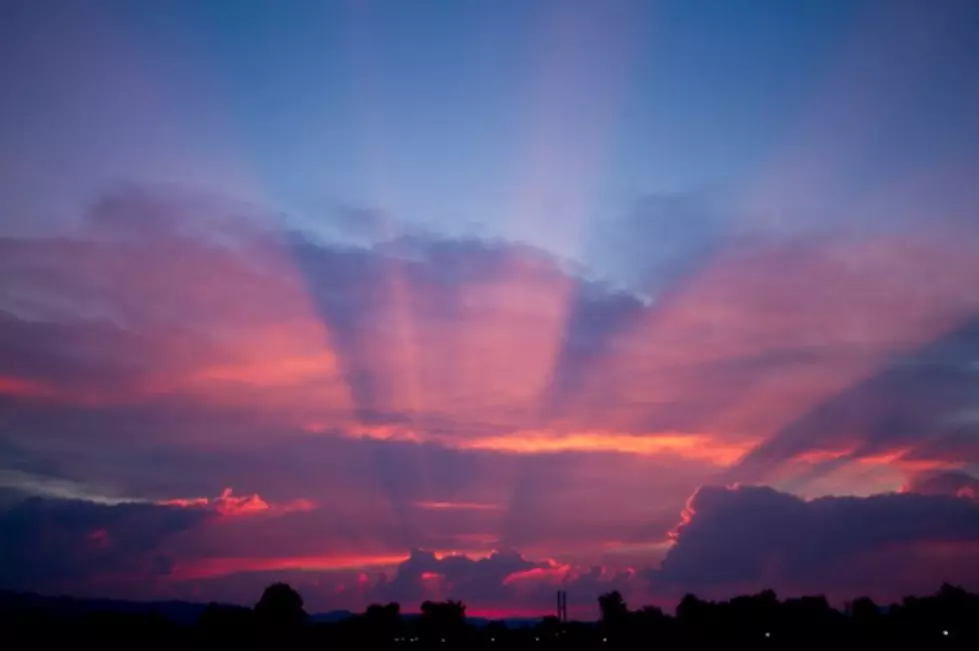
{"x":217,"y":567}
{"x":842,"y":471}
{"x":707,"y":448}
{"x":461,"y":506}
{"x":691,"y":446}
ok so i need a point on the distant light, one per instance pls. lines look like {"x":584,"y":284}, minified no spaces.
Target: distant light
{"x":443,"y":639}
{"x":767,"y":634}
{"x":604,"y":639}
{"x":945,"y":633}
{"x":492,"y":639}
{"x":536,"y":639}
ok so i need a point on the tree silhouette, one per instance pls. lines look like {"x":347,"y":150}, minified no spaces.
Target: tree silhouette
{"x":693,"y":614}
{"x":613,"y":607}
{"x":280,"y":610}
{"x":382,"y":622}
{"x":615,"y":615}
{"x":443,"y":619}
{"x":948,"y":618}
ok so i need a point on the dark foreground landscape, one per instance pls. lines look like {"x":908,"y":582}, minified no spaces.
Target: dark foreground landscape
{"x":950,"y":617}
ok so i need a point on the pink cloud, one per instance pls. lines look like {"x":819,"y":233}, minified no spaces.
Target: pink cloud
{"x":229,"y":504}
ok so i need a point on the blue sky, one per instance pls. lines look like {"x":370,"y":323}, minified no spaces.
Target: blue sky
{"x":525,"y":120}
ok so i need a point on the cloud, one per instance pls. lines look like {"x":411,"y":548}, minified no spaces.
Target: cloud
{"x":56,"y":545}
{"x":227,"y":503}
{"x":949,"y":483}
{"x":660,"y":241}
{"x":456,"y":576}
{"x":454,"y":339}
{"x":142,"y":550}
{"x":504,"y":581}
{"x":911,"y":414}
{"x":752,"y":537}
{"x":730,"y":540}
{"x":464,"y":395}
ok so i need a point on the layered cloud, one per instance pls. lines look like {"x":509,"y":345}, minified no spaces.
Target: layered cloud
{"x":466,"y":397}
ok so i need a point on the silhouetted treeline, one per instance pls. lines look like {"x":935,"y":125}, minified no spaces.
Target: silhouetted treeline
{"x":948,"y":618}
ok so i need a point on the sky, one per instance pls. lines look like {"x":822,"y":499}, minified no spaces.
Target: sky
{"x":486,"y":299}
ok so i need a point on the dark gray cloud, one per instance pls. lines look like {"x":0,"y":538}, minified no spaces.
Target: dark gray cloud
{"x":52,"y":545}
{"x":921,"y":404}
{"x":949,"y":483}
{"x":139,"y":550}
{"x":503,"y":581}
{"x":459,"y":577}
{"x":736,"y":539}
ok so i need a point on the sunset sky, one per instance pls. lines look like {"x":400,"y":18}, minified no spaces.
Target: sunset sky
{"x":485,"y":299}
